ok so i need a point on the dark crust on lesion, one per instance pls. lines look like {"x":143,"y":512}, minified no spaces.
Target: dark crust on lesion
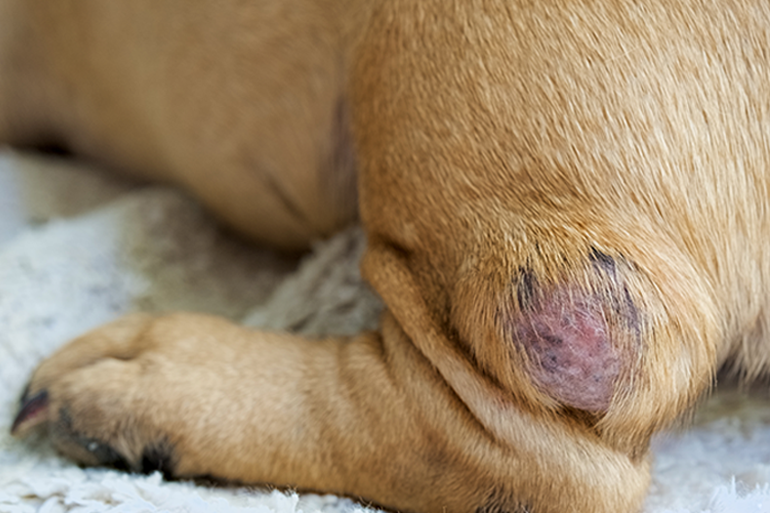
{"x":623,"y":307}
{"x":610,"y":287}
{"x":603,"y":260}
{"x":525,"y":289}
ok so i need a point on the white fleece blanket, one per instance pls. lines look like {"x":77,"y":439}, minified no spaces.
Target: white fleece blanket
{"x":78,"y":248}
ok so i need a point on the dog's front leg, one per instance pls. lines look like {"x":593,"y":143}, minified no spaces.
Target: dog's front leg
{"x":193,"y":395}
{"x":368,"y":417}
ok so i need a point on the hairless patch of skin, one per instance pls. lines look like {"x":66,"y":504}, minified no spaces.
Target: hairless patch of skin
{"x":565,"y":333}
{"x":567,"y":339}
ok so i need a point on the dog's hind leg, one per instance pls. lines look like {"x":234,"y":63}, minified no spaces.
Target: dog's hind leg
{"x":241,"y":103}
{"x":36,"y":108}
{"x":24,"y":118}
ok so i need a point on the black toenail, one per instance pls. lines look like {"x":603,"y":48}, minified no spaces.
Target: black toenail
{"x":29,"y":407}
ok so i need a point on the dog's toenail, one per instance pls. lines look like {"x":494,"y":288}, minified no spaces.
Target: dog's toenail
{"x":24,"y":396}
{"x":31,"y":410}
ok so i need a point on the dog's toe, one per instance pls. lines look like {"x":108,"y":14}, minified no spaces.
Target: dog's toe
{"x":83,"y":448}
{"x":130,"y":395}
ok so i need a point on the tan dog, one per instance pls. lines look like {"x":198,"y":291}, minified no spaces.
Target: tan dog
{"x":567,"y":211}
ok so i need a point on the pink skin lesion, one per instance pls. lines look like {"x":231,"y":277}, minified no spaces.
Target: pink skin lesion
{"x":568,"y":341}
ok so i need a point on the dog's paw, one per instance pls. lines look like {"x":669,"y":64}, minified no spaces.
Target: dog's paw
{"x":137,"y":394}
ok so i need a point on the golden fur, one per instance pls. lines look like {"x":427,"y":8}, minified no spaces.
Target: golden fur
{"x":525,"y":169}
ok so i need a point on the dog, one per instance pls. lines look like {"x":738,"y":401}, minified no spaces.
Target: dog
{"x":567,"y":212}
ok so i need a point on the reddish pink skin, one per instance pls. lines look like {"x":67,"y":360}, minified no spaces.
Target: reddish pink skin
{"x":568,"y":341}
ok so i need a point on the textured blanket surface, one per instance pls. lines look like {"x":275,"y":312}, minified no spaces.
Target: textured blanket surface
{"x":79,"y":247}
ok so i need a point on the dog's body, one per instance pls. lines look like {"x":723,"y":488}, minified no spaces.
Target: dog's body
{"x":567,"y":211}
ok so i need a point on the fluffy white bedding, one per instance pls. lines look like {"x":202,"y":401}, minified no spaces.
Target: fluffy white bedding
{"x":78,"y":248}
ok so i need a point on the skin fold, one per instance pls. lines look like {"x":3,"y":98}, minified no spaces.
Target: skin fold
{"x":566,"y":206}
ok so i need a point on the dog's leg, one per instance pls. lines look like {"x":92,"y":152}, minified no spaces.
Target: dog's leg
{"x":540,"y":206}
{"x":26,"y":113}
{"x":241,"y":103}
{"x":368,"y":417}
